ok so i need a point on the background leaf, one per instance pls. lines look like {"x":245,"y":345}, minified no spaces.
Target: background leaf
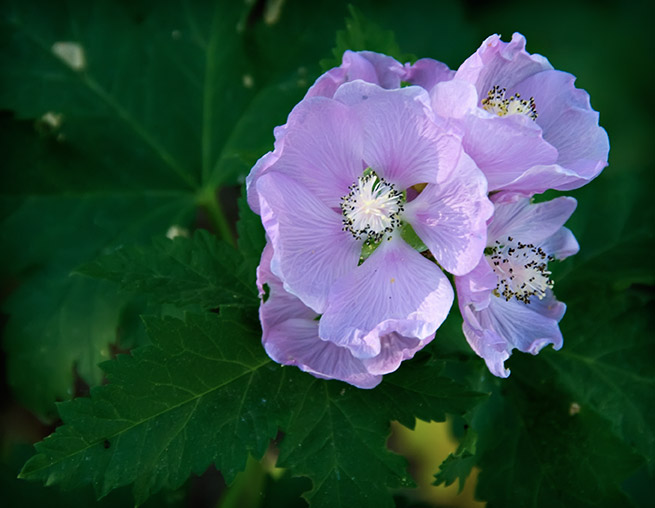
{"x":183,"y":271}
{"x":169,"y":410}
{"x":336,"y":434}
{"x":537,"y":449}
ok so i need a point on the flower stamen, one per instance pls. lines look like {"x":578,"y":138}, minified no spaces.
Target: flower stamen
{"x":498,"y":104}
{"x":371,"y":209}
{"x":522,"y":270}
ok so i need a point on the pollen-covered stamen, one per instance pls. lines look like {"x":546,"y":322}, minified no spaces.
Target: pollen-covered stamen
{"x":372,"y":208}
{"x":522,"y":270}
{"x":498,"y":104}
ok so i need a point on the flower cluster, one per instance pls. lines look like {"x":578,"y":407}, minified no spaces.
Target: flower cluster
{"x":386,"y":175}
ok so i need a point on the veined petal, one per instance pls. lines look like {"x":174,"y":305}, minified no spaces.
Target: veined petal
{"x":504,"y":148}
{"x":290,"y":334}
{"x":280,"y":305}
{"x":486,"y":343}
{"x":427,"y":72}
{"x":451,"y":218}
{"x":506,"y":325}
{"x":476,"y":286}
{"x":402,"y":142}
{"x":500,"y":63}
{"x":523,"y":326}
{"x":261,"y":166}
{"x":310,"y":249}
{"x":388,"y":72}
{"x":569,"y":124}
{"x":296,"y":342}
{"x":290,"y":337}
{"x":529,"y":222}
{"x":368,"y":66}
{"x":561,"y":244}
{"x":323,"y":148}
{"x":394,"y":290}
{"x":394,"y":349}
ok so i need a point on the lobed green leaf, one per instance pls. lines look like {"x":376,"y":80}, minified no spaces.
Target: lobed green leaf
{"x":199,"y":270}
{"x":191,"y":398}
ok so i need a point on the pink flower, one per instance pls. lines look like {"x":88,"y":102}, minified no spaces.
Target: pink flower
{"x":507,"y":301}
{"x":344,"y":180}
{"x":526,"y":125}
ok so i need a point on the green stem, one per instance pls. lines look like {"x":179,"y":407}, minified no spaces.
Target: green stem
{"x":208,"y":200}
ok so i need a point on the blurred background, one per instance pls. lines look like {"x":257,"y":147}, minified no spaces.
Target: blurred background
{"x":607,"y":45}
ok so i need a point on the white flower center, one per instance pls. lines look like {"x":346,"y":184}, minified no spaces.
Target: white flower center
{"x":498,"y":104}
{"x":371,"y":208}
{"x":522,"y":270}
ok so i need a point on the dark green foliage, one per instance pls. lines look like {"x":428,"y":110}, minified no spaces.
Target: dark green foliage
{"x":119,"y":124}
{"x":183,"y":271}
{"x":537,"y":448}
{"x":191,"y":398}
{"x":205,"y":392}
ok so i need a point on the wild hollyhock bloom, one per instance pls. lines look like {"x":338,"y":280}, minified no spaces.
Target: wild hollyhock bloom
{"x":290,"y":337}
{"x":507,"y":301}
{"x":349,"y":175}
{"x":526,"y":125}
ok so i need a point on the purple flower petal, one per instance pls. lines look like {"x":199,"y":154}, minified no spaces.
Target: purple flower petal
{"x":311,"y":250}
{"x":323,"y":148}
{"x":475,"y":287}
{"x":368,"y":66}
{"x":486,"y":343}
{"x":504,"y":148}
{"x":402,"y":142}
{"x":568,"y":123}
{"x":561,"y":245}
{"x":296,"y":342}
{"x":451,"y":218}
{"x":290,"y":335}
{"x":394,"y":349}
{"x":500,"y":63}
{"x":261,"y":166}
{"x":280,"y":305}
{"x":427,"y":72}
{"x":454,"y":99}
{"x":506,"y":325}
{"x":394,"y":290}
{"x":529,"y":222}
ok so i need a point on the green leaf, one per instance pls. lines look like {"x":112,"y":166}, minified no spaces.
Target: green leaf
{"x":108,"y":83}
{"x":60,"y":323}
{"x":191,"y":398}
{"x":337,"y":434}
{"x":607,"y":373}
{"x":252,"y":135}
{"x":458,"y":465}
{"x":51,"y":340}
{"x":538,"y":449}
{"x":199,"y":270}
{"x":22,"y":493}
{"x":205,"y":392}
{"x":124,"y":111}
